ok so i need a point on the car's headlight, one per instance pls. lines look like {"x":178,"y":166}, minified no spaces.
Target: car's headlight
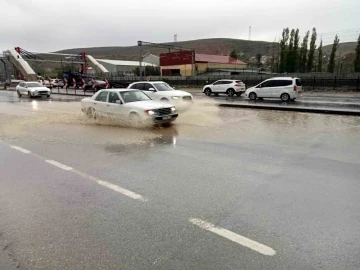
{"x":173,"y":109}
{"x":150,"y":112}
{"x":175,"y":97}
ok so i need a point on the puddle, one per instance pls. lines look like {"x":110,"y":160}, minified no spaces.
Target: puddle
{"x":53,"y":121}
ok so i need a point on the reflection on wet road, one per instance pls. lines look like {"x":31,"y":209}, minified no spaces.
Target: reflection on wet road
{"x":225,"y":189}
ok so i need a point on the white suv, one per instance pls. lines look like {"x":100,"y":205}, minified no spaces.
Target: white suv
{"x":230,"y":87}
{"x":285,"y":88}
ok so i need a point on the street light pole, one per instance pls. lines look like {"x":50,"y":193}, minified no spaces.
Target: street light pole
{"x":140,"y":59}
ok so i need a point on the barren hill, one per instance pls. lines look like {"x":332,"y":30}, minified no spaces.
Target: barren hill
{"x":217,"y":46}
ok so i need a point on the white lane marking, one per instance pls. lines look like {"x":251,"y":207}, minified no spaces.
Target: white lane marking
{"x":59,"y":165}
{"x":106,"y":184}
{"x":246,"y":242}
{"x":113,"y":187}
{"x":20,"y":149}
{"x":121,"y":190}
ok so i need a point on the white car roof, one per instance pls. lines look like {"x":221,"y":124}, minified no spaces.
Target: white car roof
{"x":119,"y":90}
{"x":150,"y":82}
{"x":232,"y":80}
{"x":282,"y":78}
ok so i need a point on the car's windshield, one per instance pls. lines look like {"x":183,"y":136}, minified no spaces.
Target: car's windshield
{"x":34,"y":84}
{"x":163,"y":87}
{"x":133,"y":96}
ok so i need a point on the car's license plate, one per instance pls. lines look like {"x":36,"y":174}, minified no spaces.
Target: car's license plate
{"x":167,"y":117}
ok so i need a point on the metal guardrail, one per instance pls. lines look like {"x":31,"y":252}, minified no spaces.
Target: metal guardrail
{"x":308,"y":83}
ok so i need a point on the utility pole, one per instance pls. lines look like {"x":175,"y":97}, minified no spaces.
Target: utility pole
{"x":140,"y":58}
{"x":249,"y":37}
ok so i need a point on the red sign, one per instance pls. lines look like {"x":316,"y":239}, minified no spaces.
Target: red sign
{"x":177,"y":58}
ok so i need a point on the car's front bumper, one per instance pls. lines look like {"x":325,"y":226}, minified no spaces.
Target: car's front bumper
{"x":165,"y":118}
{"x":40,"y":93}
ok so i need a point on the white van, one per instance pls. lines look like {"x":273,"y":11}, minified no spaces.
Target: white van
{"x":285,"y":88}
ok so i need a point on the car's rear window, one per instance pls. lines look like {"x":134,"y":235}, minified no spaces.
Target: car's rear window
{"x":298,"y":82}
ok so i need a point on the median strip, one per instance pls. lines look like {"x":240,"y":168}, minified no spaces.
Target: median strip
{"x":241,"y":240}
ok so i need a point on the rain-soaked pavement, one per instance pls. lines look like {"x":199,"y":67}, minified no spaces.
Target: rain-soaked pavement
{"x":282,"y":189}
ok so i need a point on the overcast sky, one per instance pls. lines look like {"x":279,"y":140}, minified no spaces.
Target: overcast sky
{"x":48,"y":25}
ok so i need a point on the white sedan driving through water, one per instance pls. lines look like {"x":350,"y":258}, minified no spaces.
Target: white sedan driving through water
{"x":129,"y":105}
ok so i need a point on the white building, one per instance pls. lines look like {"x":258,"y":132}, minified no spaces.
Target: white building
{"x":121,"y":67}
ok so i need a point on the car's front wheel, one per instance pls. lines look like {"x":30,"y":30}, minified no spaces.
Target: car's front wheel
{"x":18,"y":93}
{"x":135,"y":120}
{"x":29,"y":94}
{"x":91,"y":113}
{"x":207,"y":91}
{"x":252,"y":96}
{"x":285,"y":97}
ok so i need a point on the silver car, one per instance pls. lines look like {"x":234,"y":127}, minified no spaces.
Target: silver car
{"x":32,"y":89}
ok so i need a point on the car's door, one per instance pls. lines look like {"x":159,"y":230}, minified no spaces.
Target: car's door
{"x":100,"y":102}
{"x":264,"y":89}
{"x":216,"y":88}
{"x":150,"y":91}
{"x":23,"y":88}
{"x":279,"y":87}
{"x":225,"y":85}
{"x":115,"y":106}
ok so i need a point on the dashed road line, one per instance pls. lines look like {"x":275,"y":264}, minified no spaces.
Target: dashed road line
{"x":113,"y":187}
{"x":246,"y":242}
{"x":103,"y":183}
{"x":59,"y":165}
{"x":100,"y":182}
{"x":25,"y":151}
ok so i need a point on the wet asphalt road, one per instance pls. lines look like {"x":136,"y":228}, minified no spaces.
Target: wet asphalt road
{"x":289,"y":181}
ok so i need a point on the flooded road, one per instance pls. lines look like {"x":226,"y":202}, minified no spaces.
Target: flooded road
{"x":287,"y":180}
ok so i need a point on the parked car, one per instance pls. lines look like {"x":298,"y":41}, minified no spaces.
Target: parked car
{"x":32,"y":89}
{"x":98,"y":85}
{"x":161,"y":91}
{"x":57,"y":83}
{"x":129,"y":105}
{"x":45,"y":83}
{"x":229,"y":87}
{"x":285,"y":88}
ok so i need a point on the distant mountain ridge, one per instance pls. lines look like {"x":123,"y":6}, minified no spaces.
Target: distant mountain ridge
{"x":216,"y":46}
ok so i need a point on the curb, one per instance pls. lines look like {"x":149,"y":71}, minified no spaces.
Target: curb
{"x":293,"y":109}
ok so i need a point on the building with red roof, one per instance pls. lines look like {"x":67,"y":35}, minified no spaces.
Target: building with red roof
{"x":187,"y":63}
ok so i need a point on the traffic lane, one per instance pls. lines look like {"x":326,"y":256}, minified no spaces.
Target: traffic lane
{"x":319,"y":127}
{"x":212,"y":193}
{"x":297,"y":218}
{"x":54,"y":220}
{"x":59,"y":204}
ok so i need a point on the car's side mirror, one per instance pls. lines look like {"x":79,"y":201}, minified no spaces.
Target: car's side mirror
{"x":174,"y":88}
{"x":259,"y":86}
{"x":118,"y":102}
{"x":152,"y":89}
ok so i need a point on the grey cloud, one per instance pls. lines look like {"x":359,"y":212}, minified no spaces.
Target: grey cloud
{"x":43,"y":25}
